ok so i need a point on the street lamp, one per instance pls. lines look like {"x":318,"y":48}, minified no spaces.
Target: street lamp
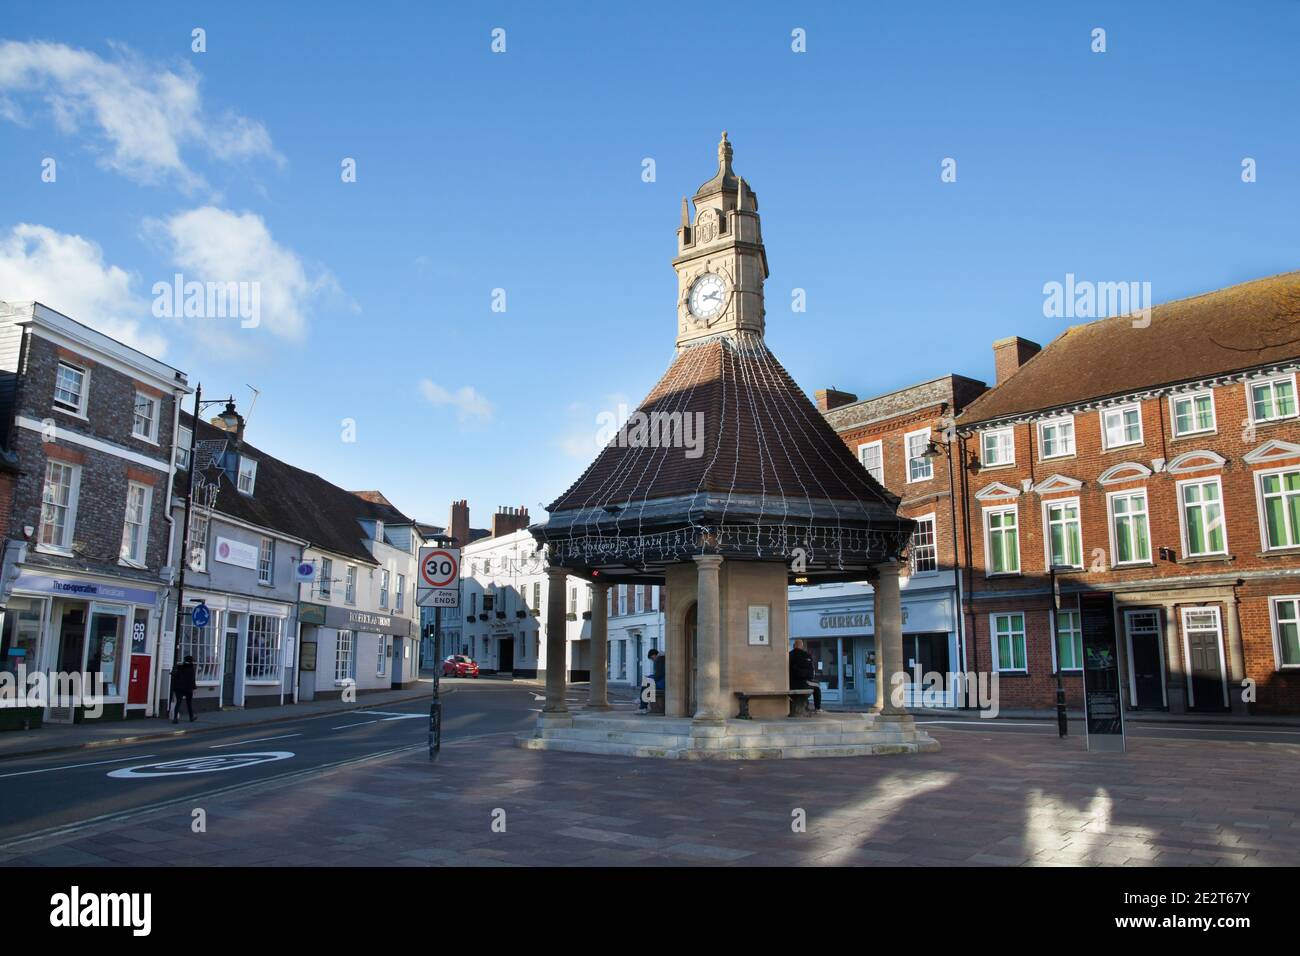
{"x":231,"y":419}
{"x":932,"y":451}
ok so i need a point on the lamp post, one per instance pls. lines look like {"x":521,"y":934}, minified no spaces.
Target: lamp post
{"x":435,"y":705}
{"x":231,"y":418}
{"x":932,"y":451}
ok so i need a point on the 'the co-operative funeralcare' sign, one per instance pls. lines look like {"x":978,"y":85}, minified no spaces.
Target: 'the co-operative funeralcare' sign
{"x":1102,"y":702}
{"x":90,"y":590}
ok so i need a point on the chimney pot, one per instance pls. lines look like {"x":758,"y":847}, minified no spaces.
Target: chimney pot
{"x":1010,"y":355}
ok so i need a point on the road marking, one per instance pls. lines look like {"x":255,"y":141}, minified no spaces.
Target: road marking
{"x":191,"y":765}
{"x":74,"y":766}
{"x":391,"y":715}
{"x":255,"y":740}
{"x":361,"y":724}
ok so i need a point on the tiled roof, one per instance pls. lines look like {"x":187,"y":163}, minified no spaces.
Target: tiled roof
{"x":761,"y":436}
{"x":294,"y":501}
{"x":1244,"y":326}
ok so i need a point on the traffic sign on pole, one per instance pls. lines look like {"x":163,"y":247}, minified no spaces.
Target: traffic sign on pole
{"x":438,"y":584}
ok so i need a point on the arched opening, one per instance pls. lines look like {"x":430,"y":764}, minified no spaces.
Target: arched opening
{"x":690,"y":633}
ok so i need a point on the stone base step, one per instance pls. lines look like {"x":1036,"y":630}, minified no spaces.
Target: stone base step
{"x":763,"y":751}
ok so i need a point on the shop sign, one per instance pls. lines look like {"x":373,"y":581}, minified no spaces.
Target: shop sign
{"x":86,"y":590}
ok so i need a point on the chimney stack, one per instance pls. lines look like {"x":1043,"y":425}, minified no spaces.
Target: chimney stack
{"x":828,"y":398}
{"x":1010,"y":354}
{"x":509,"y":520}
{"x":458,"y":522}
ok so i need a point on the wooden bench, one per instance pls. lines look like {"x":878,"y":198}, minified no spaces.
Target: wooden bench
{"x":798,"y":698}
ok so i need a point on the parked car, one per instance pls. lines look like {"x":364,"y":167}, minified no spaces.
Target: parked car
{"x":458,"y":665}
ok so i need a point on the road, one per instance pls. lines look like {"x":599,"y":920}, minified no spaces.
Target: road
{"x":1146,"y":730}
{"x":71,"y":788}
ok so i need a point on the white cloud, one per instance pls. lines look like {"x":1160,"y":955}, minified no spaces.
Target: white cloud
{"x":470,"y":405}
{"x":216,"y":245}
{"x":588,"y":426}
{"x":68,"y":274}
{"x":147,"y":114}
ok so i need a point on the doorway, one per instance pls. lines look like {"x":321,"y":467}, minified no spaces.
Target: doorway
{"x":825,"y":653}
{"x":231,"y":659}
{"x":506,"y":656}
{"x":1207,"y":687}
{"x":927,"y":653}
{"x":1146,"y":660}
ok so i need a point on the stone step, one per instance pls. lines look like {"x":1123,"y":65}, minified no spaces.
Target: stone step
{"x":626,"y":749}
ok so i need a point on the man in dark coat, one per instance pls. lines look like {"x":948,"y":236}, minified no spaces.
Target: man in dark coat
{"x":803,"y":673}
{"x":183,"y":684}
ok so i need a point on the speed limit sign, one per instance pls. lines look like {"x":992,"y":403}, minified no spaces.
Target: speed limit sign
{"x":439,"y":583}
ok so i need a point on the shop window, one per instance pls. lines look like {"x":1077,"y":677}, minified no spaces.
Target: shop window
{"x":344,"y":669}
{"x":262,"y":662}
{"x":20,"y":639}
{"x":201,"y":644}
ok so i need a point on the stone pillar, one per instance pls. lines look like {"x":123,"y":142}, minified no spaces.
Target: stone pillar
{"x":1175,"y":683}
{"x":599,"y":698}
{"x":1236,"y":656}
{"x":889,"y":635}
{"x":557,"y":642}
{"x":708,"y":691}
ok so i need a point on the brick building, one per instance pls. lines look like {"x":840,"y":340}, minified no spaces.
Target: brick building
{"x":92,"y":424}
{"x":899,"y":439}
{"x":1159,"y":463}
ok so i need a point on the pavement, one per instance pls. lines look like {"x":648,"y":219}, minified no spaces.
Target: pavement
{"x":993,"y":796}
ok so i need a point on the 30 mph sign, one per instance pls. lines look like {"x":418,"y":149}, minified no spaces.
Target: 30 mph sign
{"x":439,"y":583}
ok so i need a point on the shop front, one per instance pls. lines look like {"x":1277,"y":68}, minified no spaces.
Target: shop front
{"x":840,"y":636}
{"x":95,"y":638}
{"x":348,"y":648}
{"x":242,"y":654}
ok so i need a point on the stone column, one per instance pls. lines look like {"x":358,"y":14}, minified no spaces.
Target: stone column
{"x":1236,"y":655}
{"x":1175,"y":684}
{"x":708,"y":691}
{"x":889,"y":635}
{"x":557,"y":642}
{"x":599,"y":697}
{"x":675,"y":647}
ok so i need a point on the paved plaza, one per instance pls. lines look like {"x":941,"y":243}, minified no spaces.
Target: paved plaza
{"x":989,"y":798}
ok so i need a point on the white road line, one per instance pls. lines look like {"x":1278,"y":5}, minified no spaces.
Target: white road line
{"x":255,"y":740}
{"x":391,"y":715}
{"x":74,"y":766}
{"x":361,"y":724}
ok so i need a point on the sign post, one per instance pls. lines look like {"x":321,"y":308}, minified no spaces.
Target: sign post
{"x":438,"y":587}
{"x":1102,"y":702}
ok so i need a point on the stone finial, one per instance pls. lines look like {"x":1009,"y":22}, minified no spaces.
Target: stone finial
{"x":740,"y":193}
{"x":686,"y":213}
{"x":725,"y":153}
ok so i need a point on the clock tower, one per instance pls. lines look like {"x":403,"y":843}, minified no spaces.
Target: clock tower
{"x":720,"y":262}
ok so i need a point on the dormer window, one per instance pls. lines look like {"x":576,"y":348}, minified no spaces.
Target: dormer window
{"x":247,"y":475}
{"x":145,"y":423}
{"x":379,"y":531}
{"x":70,"y":389}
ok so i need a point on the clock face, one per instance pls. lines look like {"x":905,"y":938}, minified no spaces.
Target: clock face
{"x":706,"y":296}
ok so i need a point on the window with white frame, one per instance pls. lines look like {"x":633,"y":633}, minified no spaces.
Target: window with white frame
{"x":1056,"y":437}
{"x":343,"y":660}
{"x":537,"y":595}
{"x":622,"y":599}
{"x":1130,"y":531}
{"x":70,"y":388}
{"x":350,"y":585}
{"x":1273,"y":399}
{"x":1279,"y":494}
{"x":247,"y":475}
{"x":1192,"y":414}
{"x":1069,"y":641}
{"x":59,"y":504}
{"x":1009,"y":641}
{"x":266,"y":561}
{"x":262,"y":661}
{"x":326,"y":583}
{"x":1286,"y":630}
{"x":1064,"y":534}
{"x":401,"y":592}
{"x":1002,"y":537}
{"x":919,"y":467}
{"x":638,"y":593}
{"x":199,"y":541}
{"x":381,"y":657}
{"x":201,"y":644}
{"x":383,"y":587}
{"x":1203,"y":526}
{"x":183,"y":438}
{"x":872,"y":456}
{"x":924,"y":558}
{"x":573,"y":600}
{"x":144,"y":424}
{"x":1121,"y":426}
{"x":135,"y":529}
{"x":998,"y":447}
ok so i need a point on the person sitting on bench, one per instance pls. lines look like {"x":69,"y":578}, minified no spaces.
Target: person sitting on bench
{"x":803,"y":673}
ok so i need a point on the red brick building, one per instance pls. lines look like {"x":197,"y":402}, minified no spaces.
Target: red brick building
{"x":1158,"y":462}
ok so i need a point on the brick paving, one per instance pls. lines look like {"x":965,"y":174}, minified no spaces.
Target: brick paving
{"x":997,"y":799}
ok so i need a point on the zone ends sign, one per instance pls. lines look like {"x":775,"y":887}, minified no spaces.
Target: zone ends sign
{"x":439,"y":578}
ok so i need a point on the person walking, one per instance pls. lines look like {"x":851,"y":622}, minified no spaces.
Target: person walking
{"x":183,"y":684}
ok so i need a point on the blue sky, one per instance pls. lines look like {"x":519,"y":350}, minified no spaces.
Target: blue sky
{"x":522,"y":171}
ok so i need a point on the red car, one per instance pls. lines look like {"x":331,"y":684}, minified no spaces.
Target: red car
{"x":458,"y":665}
